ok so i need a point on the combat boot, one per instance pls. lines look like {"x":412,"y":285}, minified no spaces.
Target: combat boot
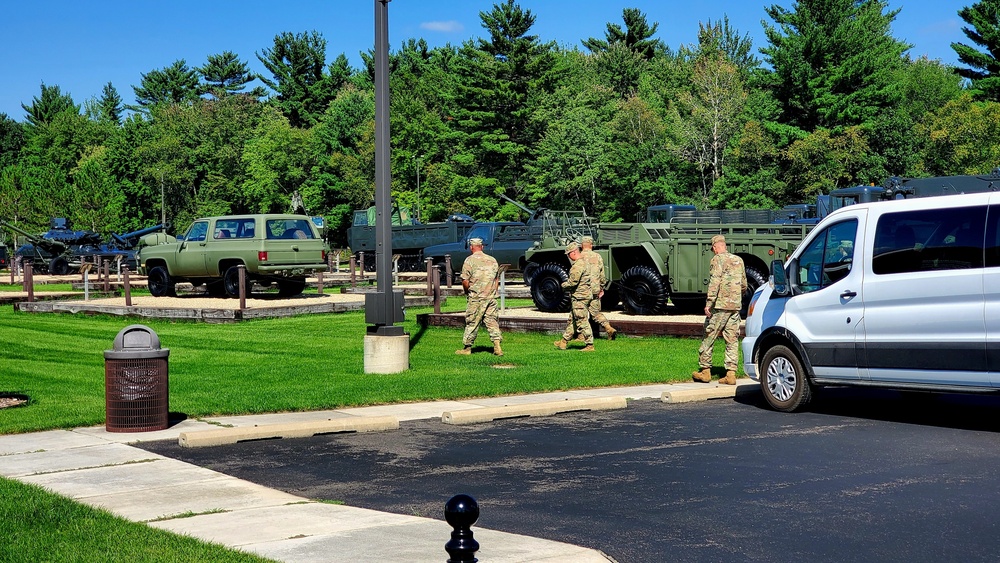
{"x":496,"y":348}
{"x":704,"y":376}
{"x":464,"y":351}
{"x":610,"y":331}
{"x":561,"y":344}
{"x":730,"y":378}
{"x":587,"y":348}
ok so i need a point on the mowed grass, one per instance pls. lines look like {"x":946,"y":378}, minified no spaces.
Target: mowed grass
{"x":37,"y":525}
{"x":309,"y":362}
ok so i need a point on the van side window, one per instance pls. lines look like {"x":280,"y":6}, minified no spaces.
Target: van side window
{"x":929,"y":240}
{"x":828,"y":258}
{"x":993,"y":237}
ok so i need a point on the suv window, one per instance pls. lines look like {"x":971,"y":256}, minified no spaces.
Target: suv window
{"x":929,"y":240}
{"x":828,"y":258}
{"x":289,"y":229}
{"x":234,"y":228}
{"x":198,"y":231}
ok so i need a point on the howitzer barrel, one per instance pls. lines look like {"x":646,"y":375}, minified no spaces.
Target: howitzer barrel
{"x":131,"y":239}
{"x":48,"y":245}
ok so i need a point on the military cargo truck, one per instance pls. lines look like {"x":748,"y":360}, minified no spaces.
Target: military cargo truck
{"x":409,"y":236}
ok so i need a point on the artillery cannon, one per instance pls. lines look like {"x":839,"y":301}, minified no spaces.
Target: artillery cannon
{"x":129,"y":241}
{"x":49,"y":254}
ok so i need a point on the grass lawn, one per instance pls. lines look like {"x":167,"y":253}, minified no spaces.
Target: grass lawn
{"x":37,"y":525}
{"x":309,"y":362}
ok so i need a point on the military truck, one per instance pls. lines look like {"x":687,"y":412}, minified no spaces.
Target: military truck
{"x":409,"y":236}
{"x":280,"y":249}
{"x":506,"y":241}
{"x":650,"y":264}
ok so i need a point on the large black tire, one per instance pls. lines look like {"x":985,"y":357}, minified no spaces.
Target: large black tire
{"x":231,"y":281}
{"x":547,"y":291}
{"x":530,"y":269}
{"x":755,"y":279}
{"x":643,"y":291}
{"x":291,"y":287}
{"x":160,"y":283}
{"x":59,"y":266}
{"x":783,"y":380}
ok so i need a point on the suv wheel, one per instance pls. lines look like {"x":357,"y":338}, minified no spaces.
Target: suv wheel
{"x":783,"y":380}
{"x":160,"y":283}
{"x":291,"y":287}
{"x":231,"y":280}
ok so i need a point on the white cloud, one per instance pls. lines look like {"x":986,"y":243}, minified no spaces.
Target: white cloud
{"x":451,"y":26}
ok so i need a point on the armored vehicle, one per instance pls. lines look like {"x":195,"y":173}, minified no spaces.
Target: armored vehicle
{"x":651,"y":263}
{"x":280,"y":249}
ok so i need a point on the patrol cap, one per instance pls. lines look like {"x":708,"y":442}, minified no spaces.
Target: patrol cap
{"x":587,"y":240}
{"x":475,"y":241}
{"x":571,"y":247}
{"x":718,"y":238}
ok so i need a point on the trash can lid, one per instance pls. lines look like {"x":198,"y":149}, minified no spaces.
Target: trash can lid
{"x":137,"y":337}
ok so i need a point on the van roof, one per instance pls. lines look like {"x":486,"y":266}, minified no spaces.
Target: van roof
{"x":889,"y":206}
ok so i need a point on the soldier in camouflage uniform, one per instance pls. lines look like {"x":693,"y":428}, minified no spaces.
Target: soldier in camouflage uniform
{"x":581,"y":293}
{"x":726,"y":286}
{"x":598,"y":282}
{"x":479,"y":279}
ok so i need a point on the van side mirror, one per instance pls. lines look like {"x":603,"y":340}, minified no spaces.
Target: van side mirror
{"x":779,"y":279}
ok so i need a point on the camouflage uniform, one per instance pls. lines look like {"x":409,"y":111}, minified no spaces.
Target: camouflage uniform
{"x":581,"y":287}
{"x":597,"y":282}
{"x":727,"y":284}
{"x":481,"y":270}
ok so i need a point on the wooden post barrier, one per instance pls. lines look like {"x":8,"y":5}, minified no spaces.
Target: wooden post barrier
{"x":243,"y":286}
{"x":126,"y":286}
{"x":430,"y":272}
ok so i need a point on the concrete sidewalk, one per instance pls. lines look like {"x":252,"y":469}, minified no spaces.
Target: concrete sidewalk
{"x":98,"y":468}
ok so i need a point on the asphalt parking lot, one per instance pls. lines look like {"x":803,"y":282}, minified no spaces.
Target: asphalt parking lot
{"x":864,"y":475}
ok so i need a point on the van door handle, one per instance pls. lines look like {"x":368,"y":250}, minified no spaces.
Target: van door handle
{"x":849,"y":294}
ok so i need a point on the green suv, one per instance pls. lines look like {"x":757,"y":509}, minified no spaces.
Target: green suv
{"x":275,"y":249}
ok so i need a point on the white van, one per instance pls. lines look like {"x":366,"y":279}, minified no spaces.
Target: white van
{"x":902,"y":294}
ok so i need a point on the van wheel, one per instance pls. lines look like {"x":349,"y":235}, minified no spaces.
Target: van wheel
{"x":755,"y":279}
{"x":783,"y":381}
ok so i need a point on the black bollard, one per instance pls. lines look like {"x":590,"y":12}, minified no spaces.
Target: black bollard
{"x":461,"y":512}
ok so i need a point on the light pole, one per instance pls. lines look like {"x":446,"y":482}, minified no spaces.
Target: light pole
{"x":417,"y":158}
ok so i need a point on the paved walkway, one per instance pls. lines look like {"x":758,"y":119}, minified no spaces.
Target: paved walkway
{"x":98,"y":468}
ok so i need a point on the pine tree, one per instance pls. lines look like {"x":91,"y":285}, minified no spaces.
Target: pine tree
{"x":636,"y":35}
{"x":983,"y":30}
{"x":225,"y":74}
{"x":110,"y":104}
{"x":174,"y":84}
{"x":834,"y":61}
{"x":45,"y":107}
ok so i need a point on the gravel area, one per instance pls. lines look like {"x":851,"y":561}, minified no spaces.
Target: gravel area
{"x":197,"y":301}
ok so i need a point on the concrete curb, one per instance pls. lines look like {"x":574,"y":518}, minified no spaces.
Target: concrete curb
{"x":487,"y":414}
{"x":709,"y":391}
{"x":691,"y":395}
{"x":222,"y":436}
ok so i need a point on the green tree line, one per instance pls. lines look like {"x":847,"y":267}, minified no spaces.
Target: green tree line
{"x":617,"y":124}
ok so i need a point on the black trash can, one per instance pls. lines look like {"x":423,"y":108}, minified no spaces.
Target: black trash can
{"x":135,"y":382}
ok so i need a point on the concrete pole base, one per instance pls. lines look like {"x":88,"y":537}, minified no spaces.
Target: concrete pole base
{"x":387,"y":354}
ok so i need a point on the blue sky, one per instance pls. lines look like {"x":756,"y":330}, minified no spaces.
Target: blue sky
{"x":82,"y":45}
